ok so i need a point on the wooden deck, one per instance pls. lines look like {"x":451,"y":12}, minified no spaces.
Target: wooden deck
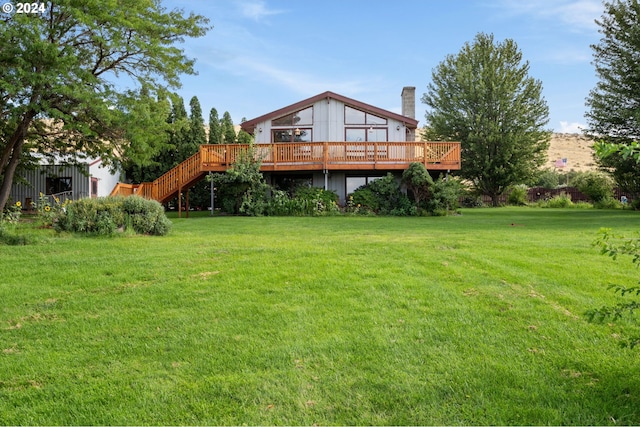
{"x":304,"y":156}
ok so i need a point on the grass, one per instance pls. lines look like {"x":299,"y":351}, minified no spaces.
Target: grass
{"x":474,"y":319}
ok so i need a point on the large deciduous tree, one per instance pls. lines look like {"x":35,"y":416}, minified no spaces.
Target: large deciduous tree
{"x":484,"y":98}
{"x":614,"y":104}
{"x":64,"y":74}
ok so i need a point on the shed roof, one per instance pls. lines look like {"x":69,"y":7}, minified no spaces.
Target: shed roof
{"x":250,"y":125}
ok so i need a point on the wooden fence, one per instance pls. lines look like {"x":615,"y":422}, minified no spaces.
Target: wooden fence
{"x":535,"y":194}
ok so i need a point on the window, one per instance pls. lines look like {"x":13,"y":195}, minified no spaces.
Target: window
{"x":357,"y":117}
{"x":94,"y":187}
{"x":365,"y":134}
{"x":57,"y":185}
{"x":291,"y":183}
{"x":355,"y":135}
{"x":299,"y":118}
{"x":291,"y":135}
{"x":377,"y":135}
{"x":354,"y":182}
{"x":291,"y":128}
{"x":353,"y":116}
{"x":372,"y":128}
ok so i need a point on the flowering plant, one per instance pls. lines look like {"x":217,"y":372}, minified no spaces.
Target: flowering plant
{"x":49,"y":209}
{"x":12,"y":213}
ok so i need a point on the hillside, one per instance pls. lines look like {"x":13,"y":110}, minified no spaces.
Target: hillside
{"x":576,"y":148}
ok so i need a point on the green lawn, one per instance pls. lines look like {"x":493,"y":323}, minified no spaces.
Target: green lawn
{"x":472,"y":319}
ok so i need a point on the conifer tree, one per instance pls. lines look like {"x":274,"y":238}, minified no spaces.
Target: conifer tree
{"x":243,"y":136}
{"x":228,"y":132}
{"x":215,"y":131}
{"x":196,"y":135}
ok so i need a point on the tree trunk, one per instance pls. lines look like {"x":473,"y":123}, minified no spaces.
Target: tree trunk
{"x":11,"y":157}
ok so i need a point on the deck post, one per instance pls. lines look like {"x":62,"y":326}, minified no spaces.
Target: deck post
{"x":211,"y":190}
{"x":424,"y":154}
{"x":274,"y":154}
{"x":186,"y":205}
{"x":325,"y":156}
{"x":375,"y":155}
{"x":179,"y":190}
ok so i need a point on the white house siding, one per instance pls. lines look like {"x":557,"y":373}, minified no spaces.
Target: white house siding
{"x":328,"y":125}
{"x":107,"y":180}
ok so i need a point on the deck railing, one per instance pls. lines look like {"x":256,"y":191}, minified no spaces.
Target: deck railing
{"x":302,"y":156}
{"x":338,"y":155}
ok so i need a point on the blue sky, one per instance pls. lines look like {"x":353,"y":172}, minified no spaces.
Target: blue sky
{"x":262,"y":55}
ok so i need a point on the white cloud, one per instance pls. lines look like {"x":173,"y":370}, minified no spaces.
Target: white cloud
{"x":566,"y":127}
{"x":578,"y":15}
{"x":568,"y":55}
{"x":581,"y":14}
{"x":296,"y":81}
{"x":256,"y":9}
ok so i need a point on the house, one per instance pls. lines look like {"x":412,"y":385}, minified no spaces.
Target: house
{"x":372,"y":141}
{"x":328,"y":141}
{"x":65,"y":178}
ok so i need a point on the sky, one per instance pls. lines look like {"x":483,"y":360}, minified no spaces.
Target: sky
{"x":262,"y":55}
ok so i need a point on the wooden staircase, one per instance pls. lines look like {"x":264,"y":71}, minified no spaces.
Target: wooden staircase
{"x":173,"y":182}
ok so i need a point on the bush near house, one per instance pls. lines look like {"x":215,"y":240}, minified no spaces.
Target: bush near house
{"x":105,"y":216}
{"x":383,"y":196}
{"x":445,"y":196}
{"x":311,"y":201}
{"x":438,"y":197}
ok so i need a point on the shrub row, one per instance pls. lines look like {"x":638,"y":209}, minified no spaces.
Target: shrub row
{"x":385,"y":197}
{"x":307,"y":202}
{"x":107,"y":215}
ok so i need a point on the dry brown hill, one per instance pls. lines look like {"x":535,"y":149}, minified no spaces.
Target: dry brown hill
{"x":576,"y":148}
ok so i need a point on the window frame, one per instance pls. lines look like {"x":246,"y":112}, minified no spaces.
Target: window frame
{"x":275,"y":124}
{"x":385,"y":121}
{"x":367,"y":130}
{"x":292,"y":135}
{"x":54,"y":183}
{"x":367,"y":180}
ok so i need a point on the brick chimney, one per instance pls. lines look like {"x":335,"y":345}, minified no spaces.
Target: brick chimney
{"x":409,"y":101}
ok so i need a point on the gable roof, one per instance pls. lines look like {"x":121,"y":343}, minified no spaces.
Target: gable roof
{"x":250,"y":125}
